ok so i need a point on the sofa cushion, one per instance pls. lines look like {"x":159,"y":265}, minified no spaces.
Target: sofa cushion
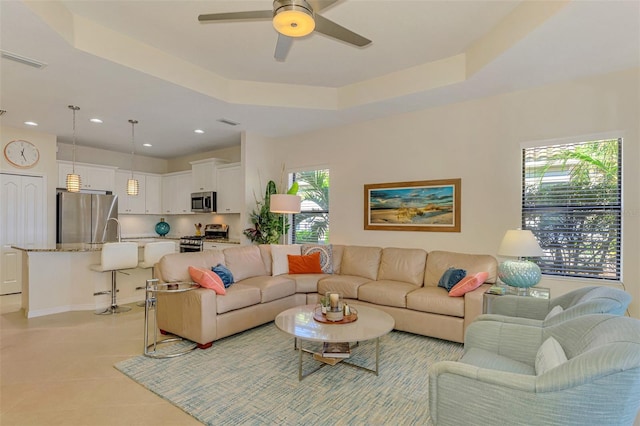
{"x":347,"y":285}
{"x":326,"y":255}
{"x":307,"y":264}
{"x":271,"y":288}
{"x":207,"y":279}
{"x":435,"y":300}
{"x":244,"y":262}
{"x":439,"y":261}
{"x":174,"y":267}
{"x":402,"y":264}
{"x":306,"y":283}
{"x":279,"y":257}
{"x":337,"y":250}
{"x":238,"y":296}
{"x":361,"y":261}
{"x":265,"y":252}
{"x":482,"y":358}
{"x":385,"y":292}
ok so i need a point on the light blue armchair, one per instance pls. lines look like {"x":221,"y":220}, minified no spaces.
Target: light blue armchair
{"x":495,"y":381}
{"x":534,"y":311}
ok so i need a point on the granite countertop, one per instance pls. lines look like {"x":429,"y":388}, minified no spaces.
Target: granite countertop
{"x":85,"y":247}
{"x":221,"y":241}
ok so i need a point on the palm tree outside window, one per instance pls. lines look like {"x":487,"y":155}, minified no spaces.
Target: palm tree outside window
{"x":311,"y":225}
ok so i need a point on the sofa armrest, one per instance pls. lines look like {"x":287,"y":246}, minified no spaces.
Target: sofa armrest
{"x":473,"y":302}
{"x":191,"y":314}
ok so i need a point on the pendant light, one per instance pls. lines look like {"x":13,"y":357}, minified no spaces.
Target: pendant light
{"x":132,"y":184}
{"x":73,"y":179}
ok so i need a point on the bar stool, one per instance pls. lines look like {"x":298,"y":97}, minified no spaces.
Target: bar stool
{"x":115,"y":257}
{"x":153,"y":252}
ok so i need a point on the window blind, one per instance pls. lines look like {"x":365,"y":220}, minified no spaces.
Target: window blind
{"x":572,"y":202}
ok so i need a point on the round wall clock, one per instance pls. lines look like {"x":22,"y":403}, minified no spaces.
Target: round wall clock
{"x":22,"y":154}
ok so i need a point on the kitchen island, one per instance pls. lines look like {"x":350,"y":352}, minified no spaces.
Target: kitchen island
{"x":59,"y":279}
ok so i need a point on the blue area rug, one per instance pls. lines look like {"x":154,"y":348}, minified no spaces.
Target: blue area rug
{"x":252,"y":378}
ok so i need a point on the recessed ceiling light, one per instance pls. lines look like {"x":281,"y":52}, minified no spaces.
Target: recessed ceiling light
{"x":146,"y":144}
{"x":30,"y":123}
{"x":95,"y":120}
{"x":199,"y":131}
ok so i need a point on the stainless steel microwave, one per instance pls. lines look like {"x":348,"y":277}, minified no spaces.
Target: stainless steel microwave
{"x":203,"y":202}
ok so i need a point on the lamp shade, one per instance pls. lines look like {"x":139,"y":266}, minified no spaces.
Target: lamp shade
{"x":285,"y":203}
{"x":132,"y":187}
{"x":73,"y":182}
{"x":519,"y":243}
{"x":294,"y":21}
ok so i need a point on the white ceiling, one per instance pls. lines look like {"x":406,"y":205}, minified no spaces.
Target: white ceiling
{"x":153,"y":61}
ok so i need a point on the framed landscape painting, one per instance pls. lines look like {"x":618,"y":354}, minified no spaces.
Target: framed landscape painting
{"x":429,"y":205}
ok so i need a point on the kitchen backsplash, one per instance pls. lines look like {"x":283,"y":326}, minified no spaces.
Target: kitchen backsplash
{"x":181,"y":225}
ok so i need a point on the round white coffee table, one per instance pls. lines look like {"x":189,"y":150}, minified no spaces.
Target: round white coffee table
{"x":299,"y":322}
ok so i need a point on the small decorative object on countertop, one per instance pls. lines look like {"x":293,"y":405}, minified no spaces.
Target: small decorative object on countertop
{"x":162,"y":227}
{"x":198,"y":229}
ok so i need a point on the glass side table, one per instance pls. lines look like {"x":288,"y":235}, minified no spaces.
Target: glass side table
{"x":151,"y":289}
{"x":537,"y":292}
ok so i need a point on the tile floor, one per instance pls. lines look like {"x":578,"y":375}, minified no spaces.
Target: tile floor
{"x":58,"y":370}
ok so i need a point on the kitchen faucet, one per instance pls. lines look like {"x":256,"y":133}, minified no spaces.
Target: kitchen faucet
{"x":119,"y":228}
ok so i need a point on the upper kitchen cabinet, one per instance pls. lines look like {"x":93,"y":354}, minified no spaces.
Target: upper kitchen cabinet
{"x":230,"y":191}
{"x":149,"y":198}
{"x":203,"y":173}
{"x":176,"y":193}
{"x":92,"y":176}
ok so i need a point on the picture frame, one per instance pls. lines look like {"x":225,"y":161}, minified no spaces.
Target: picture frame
{"x":428,"y":205}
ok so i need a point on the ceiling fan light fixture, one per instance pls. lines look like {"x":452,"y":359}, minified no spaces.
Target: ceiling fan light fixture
{"x":294,"y":21}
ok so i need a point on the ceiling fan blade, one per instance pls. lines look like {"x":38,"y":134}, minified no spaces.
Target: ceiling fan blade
{"x":331,"y":29}
{"x":318,"y":5}
{"x":282,"y":47}
{"x":237,"y":16}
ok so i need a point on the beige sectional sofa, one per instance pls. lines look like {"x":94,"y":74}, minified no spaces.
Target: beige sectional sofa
{"x":400,"y":281}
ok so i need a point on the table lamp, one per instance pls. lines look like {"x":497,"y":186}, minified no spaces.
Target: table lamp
{"x":285,"y":204}
{"x":521,"y":273}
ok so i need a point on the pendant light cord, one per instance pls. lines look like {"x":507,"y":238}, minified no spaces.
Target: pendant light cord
{"x":133,"y":143}
{"x":74,"y":109}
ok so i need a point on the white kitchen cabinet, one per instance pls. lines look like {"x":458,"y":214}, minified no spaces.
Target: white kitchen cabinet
{"x":149,"y":198}
{"x":153,"y":194}
{"x":230,"y":192}
{"x":92,"y":176}
{"x":176,"y":193}
{"x":23,"y":212}
{"x":208,"y":245}
{"x":130,"y":204}
{"x":204,"y":174}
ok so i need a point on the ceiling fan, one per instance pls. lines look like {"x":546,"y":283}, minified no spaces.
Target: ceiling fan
{"x":293,"y":18}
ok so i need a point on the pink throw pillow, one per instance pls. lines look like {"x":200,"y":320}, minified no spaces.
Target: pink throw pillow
{"x":468,"y":284}
{"x":207,"y":279}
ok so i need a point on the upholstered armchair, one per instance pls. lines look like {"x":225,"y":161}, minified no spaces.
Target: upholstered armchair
{"x":545,"y":312}
{"x":508,"y":376}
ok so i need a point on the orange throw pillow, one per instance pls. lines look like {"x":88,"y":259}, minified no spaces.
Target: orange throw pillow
{"x":207,"y":279}
{"x":308,"y":264}
{"x":468,"y":283}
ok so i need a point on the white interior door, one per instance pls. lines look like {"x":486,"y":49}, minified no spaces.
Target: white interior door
{"x":22,"y":223}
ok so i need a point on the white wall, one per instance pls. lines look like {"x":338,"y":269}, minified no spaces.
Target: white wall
{"x":480,"y":142}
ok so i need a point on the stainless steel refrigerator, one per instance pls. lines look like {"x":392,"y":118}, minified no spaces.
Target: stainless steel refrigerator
{"x":84,"y":218}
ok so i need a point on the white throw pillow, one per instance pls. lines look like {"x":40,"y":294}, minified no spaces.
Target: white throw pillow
{"x":550,"y":355}
{"x":279,"y":259}
{"x":554,"y":311}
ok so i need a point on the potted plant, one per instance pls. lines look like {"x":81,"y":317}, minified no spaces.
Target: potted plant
{"x":268,"y":227}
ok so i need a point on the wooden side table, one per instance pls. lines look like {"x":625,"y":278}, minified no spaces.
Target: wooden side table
{"x":537,"y":292}
{"x":152,"y":288}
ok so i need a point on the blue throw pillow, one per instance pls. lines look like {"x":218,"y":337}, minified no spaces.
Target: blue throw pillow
{"x":451,"y":277}
{"x":224,"y":273}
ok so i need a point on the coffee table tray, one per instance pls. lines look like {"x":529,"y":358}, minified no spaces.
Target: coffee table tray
{"x":320,"y":317}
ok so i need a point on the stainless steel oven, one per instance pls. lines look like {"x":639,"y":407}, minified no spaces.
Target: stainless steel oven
{"x":203,"y":202}
{"x":191,"y":243}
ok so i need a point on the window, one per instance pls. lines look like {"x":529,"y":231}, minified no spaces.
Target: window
{"x":571,"y":201}
{"x":311,"y":225}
